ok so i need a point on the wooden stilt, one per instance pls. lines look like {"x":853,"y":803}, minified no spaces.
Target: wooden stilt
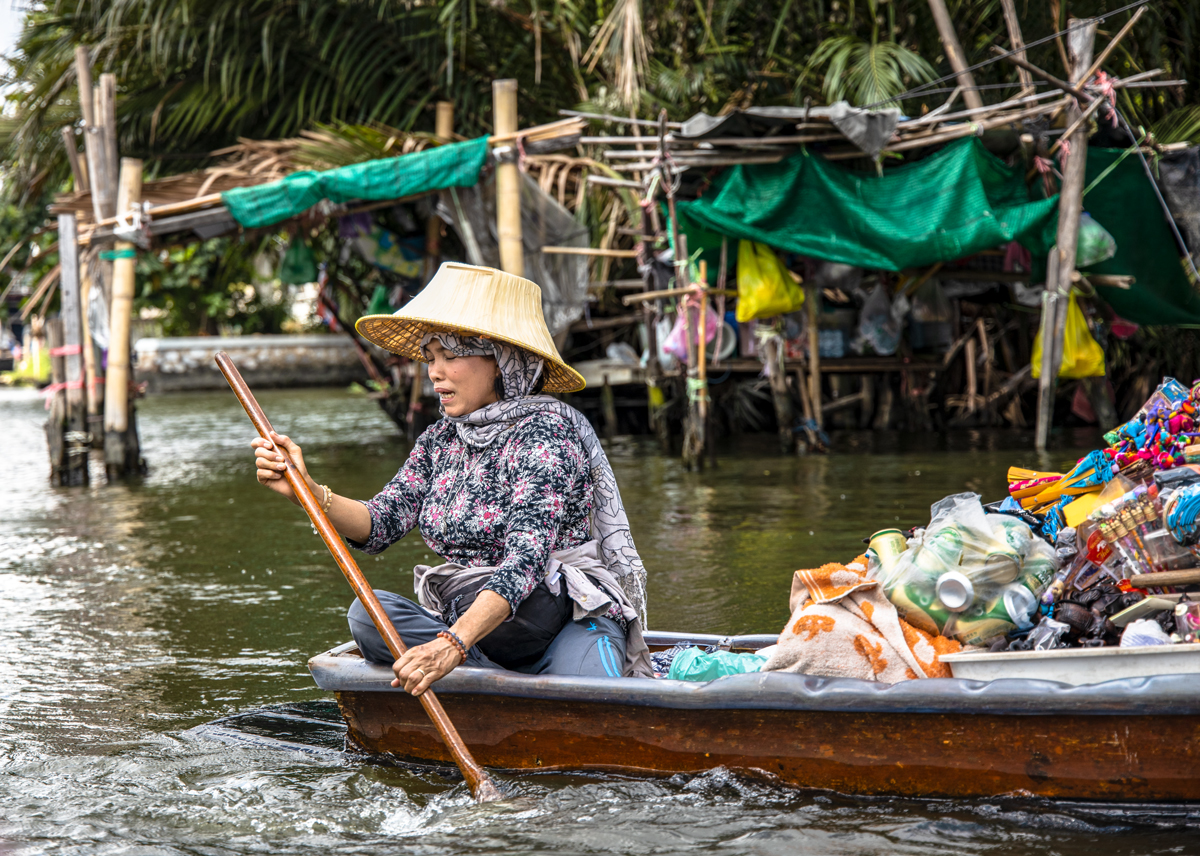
{"x":74,"y":427}
{"x":608,"y":406}
{"x":1061,"y":265}
{"x":122,"y":452}
{"x":56,"y":425}
{"x":782,"y":399}
{"x":508,"y":181}
{"x":813,"y":306}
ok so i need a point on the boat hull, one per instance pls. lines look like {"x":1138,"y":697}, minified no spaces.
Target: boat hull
{"x":1127,"y":741}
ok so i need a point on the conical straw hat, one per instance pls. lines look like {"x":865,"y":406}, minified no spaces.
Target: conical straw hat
{"x":479,"y":301}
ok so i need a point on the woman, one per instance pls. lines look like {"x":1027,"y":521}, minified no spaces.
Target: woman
{"x":511,"y":487}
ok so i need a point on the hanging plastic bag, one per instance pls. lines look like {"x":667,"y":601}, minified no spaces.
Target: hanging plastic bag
{"x":1095,"y":243}
{"x":298,"y":266}
{"x":1082,"y":354}
{"x":877,"y":324}
{"x":765,"y":286}
{"x":677,"y":342}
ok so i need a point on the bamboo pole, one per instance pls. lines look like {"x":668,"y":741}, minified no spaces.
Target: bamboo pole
{"x":954,"y":52}
{"x":813,"y":308}
{"x":1018,"y":42}
{"x":444,"y":130}
{"x":78,"y":168}
{"x":116,"y":389}
{"x":95,"y":406}
{"x":1080,"y":41}
{"x":75,"y":471}
{"x":93,"y":138}
{"x":508,"y":181}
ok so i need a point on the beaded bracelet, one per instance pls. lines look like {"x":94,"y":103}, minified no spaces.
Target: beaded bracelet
{"x":452,"y":637}
{"x":327,"y":502}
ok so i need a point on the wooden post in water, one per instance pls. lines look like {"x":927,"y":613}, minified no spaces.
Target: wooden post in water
{"x":813,"y":307}
{"x":122,"y":452}
{"x":71,"y":422}
{"x":508,"y":181}
{"x":954,"y":53}
{"x":56,"y":424}
{"x":1081,"y":37}
{"x":782,"y":398}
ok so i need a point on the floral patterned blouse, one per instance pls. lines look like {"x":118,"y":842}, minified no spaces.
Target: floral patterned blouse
{"x":511,"y":504}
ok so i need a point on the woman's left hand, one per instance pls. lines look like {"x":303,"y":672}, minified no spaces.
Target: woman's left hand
{"x":421,"y":666}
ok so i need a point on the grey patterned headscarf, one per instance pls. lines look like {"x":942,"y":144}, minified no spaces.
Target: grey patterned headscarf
{"x":519,"y":372}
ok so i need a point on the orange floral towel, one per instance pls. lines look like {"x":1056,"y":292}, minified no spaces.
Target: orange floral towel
{"x":843,"y":625}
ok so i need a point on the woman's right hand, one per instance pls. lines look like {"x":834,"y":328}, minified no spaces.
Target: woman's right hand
{"x":270,"y":468}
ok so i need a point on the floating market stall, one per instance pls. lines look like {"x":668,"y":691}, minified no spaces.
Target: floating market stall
{"x":904,"y":256}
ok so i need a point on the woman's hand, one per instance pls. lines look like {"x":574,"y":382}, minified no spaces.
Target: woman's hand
{"x":270,"y":467}
{"x":421,"y":666}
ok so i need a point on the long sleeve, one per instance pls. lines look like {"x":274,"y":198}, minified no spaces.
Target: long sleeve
{"x":544,"y":464}
{"x":395,"y":509}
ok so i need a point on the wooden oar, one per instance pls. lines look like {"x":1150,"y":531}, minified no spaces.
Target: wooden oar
{"x":482,"y":787}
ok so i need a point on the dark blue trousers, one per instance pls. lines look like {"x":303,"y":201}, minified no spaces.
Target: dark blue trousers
{"x":594,"y":647}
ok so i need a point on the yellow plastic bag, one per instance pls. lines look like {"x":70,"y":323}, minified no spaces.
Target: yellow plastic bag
{"x":765,"y":286}
{"x":1082,"y":354}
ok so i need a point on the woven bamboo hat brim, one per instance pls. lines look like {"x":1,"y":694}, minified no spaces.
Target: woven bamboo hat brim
{"x":479,"y":301}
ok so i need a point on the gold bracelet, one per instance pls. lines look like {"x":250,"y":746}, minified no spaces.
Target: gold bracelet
{"x":327,"y":503}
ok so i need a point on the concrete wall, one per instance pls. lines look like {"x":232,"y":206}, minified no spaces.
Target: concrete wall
{"x":186,"y":362}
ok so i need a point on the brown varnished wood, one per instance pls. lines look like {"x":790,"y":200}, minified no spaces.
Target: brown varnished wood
{"x":1112,"y":758}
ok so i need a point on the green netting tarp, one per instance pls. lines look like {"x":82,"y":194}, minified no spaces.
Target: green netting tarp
{"x":954,"y":203}
{"x":450,"y":165}
{"x":1124,"y":203}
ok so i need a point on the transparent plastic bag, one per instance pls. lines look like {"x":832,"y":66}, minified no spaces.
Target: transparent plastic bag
{"x":1095,"y":243}
{"x":877,"y":325}
{"x":970,"y":576}
{"x":676,"y":343}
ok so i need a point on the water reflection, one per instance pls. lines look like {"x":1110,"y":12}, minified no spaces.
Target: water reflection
{"x":130,"y":615}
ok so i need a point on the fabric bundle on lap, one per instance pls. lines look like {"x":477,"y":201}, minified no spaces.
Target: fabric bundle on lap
{"x":843,"y":626}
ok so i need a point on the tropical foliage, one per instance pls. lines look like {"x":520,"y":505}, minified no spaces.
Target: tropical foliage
{"x":195,"y":75}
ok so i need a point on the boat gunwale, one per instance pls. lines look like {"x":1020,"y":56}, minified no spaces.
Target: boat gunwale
{"x":335,"y":671}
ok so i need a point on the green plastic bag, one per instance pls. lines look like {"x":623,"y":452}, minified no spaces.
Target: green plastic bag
{"x":692,"y":664}
{"x":765,"y":286}
{"x":298,"y":265}
{"x":1095,"y":243}
{"x":380,"y":305}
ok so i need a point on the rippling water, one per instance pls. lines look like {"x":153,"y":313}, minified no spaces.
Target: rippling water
{"x":132,"y":617}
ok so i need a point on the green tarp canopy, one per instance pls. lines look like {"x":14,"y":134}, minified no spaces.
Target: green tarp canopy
{"x":1124,"y":203}
{"x":956,"y":202}
{"x":450,"y":165}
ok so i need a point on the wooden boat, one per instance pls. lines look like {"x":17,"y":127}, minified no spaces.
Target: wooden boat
{"x":1130,"y":740}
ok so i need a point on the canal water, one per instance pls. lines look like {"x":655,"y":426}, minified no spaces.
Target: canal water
{"x":133,"y":618}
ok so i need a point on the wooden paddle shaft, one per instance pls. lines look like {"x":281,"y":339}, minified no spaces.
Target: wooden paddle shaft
{"x":482,"y":787}
{"x":1166,"y":578}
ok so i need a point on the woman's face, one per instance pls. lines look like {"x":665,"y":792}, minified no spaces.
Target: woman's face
{"x":463,"y":384}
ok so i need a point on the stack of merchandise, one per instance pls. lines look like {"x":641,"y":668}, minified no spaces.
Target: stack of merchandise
{"x":1097,"y":556}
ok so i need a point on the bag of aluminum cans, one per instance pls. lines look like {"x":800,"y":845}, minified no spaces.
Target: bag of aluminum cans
{"x":969,"y":575}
